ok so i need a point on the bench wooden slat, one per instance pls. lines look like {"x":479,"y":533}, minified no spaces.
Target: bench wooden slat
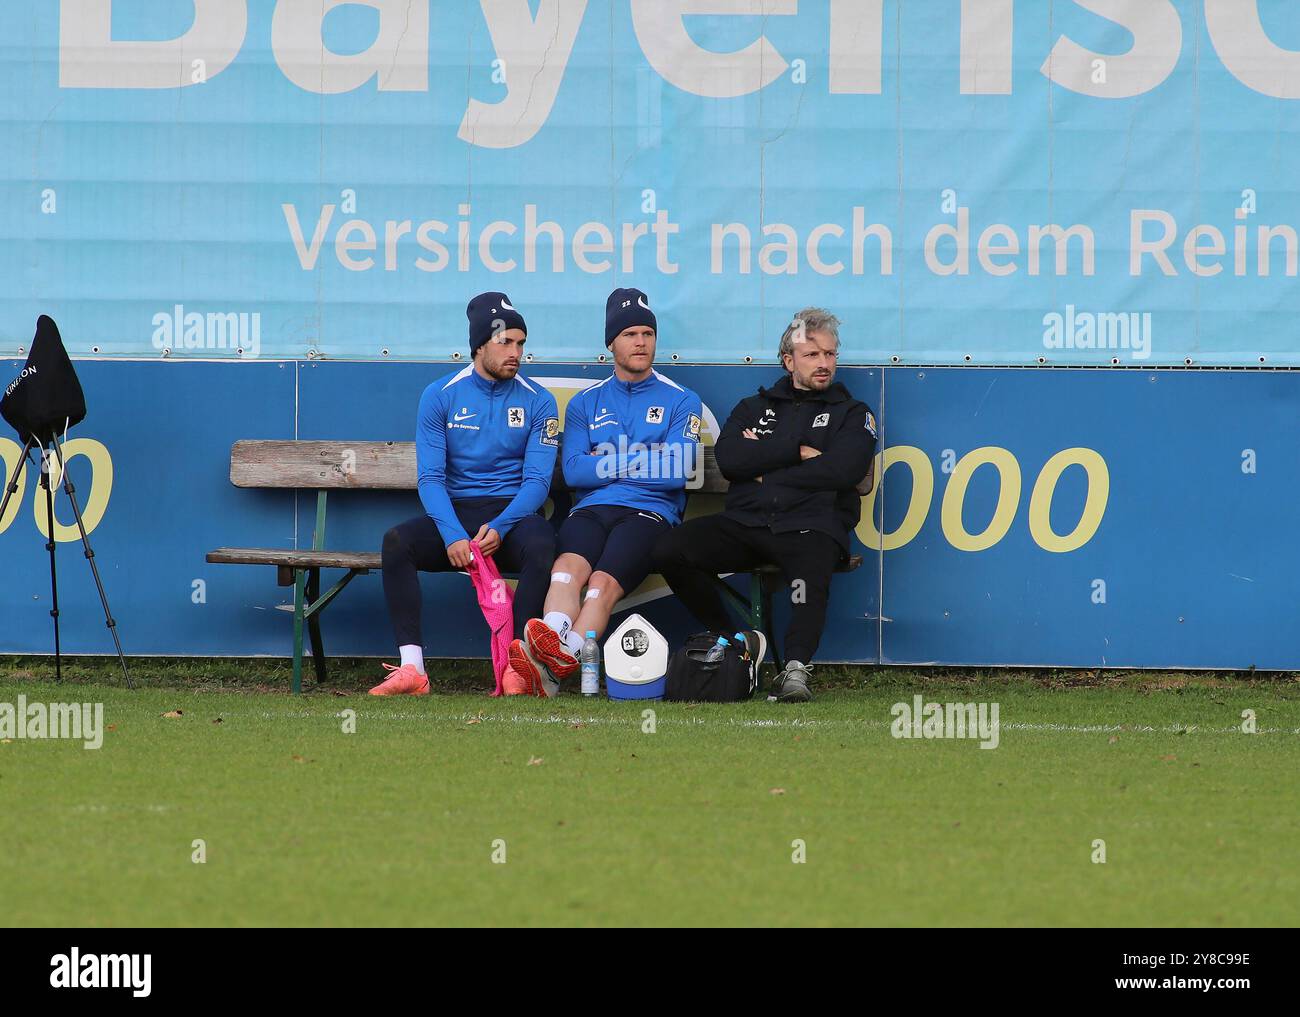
{"x":363,"y":465}
{"x":365,"y":559}
{"x":296,"y":559}
{"x":324,"y":464}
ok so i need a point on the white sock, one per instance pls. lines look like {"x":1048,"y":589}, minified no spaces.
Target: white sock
{"x":573,"y":641}
{"x":560,"y":622}
{"x":413,"y":655}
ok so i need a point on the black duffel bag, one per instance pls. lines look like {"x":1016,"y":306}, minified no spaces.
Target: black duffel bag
{"x":691,"y":679}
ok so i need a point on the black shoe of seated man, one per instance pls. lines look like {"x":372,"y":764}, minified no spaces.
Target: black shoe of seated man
{"x":791,"y":685}
{"x":756,"y":647}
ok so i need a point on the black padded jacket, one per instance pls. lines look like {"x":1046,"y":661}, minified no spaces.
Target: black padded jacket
{"x":771,"y":485}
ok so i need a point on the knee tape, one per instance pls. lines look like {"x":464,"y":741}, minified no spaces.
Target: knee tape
{"x":561,"y":577}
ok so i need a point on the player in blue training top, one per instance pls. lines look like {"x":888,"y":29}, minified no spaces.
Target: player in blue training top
{"x":486,"y":440}
{"x":630,"y":443}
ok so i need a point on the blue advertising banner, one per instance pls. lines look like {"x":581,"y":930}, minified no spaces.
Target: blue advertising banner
{"x":1095,"y":518}
{"x":1068,"y":182}
{"x":1022,"y":516}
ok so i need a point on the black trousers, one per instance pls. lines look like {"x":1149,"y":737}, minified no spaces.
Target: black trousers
{"x":416,"y":546}
{"x":691,"y":555}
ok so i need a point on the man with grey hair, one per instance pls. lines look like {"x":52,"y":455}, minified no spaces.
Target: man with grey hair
{"x":794,"y":454}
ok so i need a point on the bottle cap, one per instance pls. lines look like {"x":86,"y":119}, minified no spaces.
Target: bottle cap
{"x":591,"y":635}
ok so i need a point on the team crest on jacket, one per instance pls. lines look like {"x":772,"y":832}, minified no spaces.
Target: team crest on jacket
{"x":551,"y":432}
{"x":692,"y":430}
{"x":821,"y":420}
{"x":515,"y":416}
{"x":654,"y":415}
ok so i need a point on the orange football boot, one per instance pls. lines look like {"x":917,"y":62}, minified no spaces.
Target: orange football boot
{"x":548,"y":649}
{"x":537,"y":680}
{"x":404,"y":681}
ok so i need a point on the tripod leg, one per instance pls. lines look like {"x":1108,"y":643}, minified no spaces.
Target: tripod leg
{"x":49,"y":546}
{"x":11,"y":487}
{"x":109,"y":620}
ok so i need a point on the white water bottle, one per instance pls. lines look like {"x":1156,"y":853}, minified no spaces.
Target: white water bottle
{"x":589,"y":655}
{"x":717,"y":651}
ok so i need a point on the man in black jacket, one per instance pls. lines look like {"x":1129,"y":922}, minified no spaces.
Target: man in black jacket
{"x":794,"y":454}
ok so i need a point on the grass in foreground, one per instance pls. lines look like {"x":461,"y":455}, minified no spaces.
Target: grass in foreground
{"x":603,"y":823}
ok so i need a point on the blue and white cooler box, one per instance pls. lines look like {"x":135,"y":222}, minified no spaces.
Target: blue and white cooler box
{"x":636,"y":661}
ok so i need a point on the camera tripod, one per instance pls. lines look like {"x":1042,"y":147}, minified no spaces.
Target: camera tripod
{"x":55,"y":452}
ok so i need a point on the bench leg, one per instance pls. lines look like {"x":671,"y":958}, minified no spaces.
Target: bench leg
{"x":313,"y":626}
{"x":756,"y":619}
{"x":767,"y":616}
{"x":299,"y":590}
{"x":760,"y":616}
{"x":770,"y":631}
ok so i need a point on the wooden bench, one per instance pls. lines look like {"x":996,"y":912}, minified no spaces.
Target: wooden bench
{"x":323,"y":466}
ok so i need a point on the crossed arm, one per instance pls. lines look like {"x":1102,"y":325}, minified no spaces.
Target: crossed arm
{"x":743,"y":455}
{"x":841,"y":466}
{"x":657,"y":467}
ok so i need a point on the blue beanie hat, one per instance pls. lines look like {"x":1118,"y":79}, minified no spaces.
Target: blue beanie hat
{"x":489,"y":313}
{"x":624,"y":309}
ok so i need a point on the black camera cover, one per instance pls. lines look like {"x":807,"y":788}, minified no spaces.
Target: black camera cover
{"x":46,"y":396}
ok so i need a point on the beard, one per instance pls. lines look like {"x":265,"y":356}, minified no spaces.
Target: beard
{"x":815,"y":383}
{"x":502,"y":372}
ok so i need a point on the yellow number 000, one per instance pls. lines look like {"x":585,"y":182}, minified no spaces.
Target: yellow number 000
{"x":1009,"y":489}
{"x":954,"y":496}
{"x":101,"y":487}
{"x":1094,"y":505}
{"x":917,"y":509}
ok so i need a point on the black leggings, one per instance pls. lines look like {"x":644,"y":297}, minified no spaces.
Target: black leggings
{"x":416,"y":546}
{"x":690,"y":556}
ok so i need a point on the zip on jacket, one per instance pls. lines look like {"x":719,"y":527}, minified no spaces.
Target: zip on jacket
{"x":630,"y":443}
{"x":477,"y":438}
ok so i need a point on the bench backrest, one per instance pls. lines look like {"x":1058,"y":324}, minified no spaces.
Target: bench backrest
{"x":324,"y":464}
{"x":361,"y":465}
{"x":374,"y":465}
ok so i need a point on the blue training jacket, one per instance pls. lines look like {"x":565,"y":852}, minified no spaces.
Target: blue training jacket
{"x":644,"y":434}
{"x":476,"y":438}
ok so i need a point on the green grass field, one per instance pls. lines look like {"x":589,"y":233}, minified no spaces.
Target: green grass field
{"x":603,"y":823}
